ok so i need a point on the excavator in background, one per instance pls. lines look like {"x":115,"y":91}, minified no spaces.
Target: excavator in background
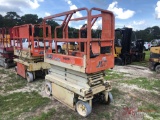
{"x":154,"y":61}
{"x":126,"y":49}
{"x":137,"y":50}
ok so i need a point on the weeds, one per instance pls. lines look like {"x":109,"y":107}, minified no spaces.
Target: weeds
{"x":2,"y":71}
{"x":151,"y":109}
{"x":15,"y":82}
{"x":144,"y":83}
{"x":14,"y":104}
{"x":45,"y":116}
{"x":113,"y":75}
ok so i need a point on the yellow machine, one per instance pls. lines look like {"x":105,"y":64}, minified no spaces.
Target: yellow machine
{"x":126,"y":50}
{"x":123,"y":46}
{"x":154,"y":61}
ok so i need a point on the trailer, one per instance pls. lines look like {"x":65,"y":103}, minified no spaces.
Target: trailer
{"x":6,"y":48}
{"x":76,"y":77}
{"x":30,"y":57}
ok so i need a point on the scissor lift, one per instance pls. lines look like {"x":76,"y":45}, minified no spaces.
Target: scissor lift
{"x":76,"y":77}
{"x":30,"y":61}
{"x":6,"y":48}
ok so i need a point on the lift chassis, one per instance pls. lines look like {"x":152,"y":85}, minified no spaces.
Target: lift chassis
{"x":76,"y":89}
{"x":30,"y":60}
{"x":76,"y":77}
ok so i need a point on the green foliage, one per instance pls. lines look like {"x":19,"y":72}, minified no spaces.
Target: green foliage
{"x":145,"y":83}
{"x":2,"y":71}
{"x":151,"y":109}
{"x":14,"y":104}
{"x":29,"y":19}
{"x":13,"y":19}
{"x":14,"y":82}
{"x":45,"y":116}
{"x":110,"y":74}
{"x":148,"y":34}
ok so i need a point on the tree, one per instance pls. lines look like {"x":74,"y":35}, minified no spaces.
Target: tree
{"x":11,"y":19}
{"x":1,"y":21}
{"x":30,"y":19}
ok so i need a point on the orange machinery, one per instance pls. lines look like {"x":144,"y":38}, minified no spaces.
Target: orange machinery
{"x":29,"y":47}
{"x":6,"y":48}
{"x":76,"y":77}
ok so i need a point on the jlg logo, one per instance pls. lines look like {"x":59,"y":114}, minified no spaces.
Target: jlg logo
{"x":102,"y":62}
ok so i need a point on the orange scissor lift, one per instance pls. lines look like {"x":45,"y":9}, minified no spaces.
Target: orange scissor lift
{"x":6,"y":48}
{"x":76,"y":77}
{"x":29,"y":47}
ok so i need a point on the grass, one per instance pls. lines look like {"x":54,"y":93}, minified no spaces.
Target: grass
{"x":152,"y":84}
{"x":116,"y":93}
{"x":151,"y":109}
{"x":45,"y":116}
{"x":14,"y":82}
{"x":147,"y":56}
{"x":113,"y":75}
{"x":2,"y":71}
{"x":14,"y":104}
{"x":104,"y":115}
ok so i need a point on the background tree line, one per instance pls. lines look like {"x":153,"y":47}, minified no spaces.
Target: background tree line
{"x":13,"y":19}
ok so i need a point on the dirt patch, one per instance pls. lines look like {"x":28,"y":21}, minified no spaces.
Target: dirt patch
{"x":135,"y":71}
{"x":130,"y":96}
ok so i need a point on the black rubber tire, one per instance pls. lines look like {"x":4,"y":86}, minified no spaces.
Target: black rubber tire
{"x":85,"y":111}
{"x":48,"y":88}
{"x":108,"y":99}
{"x":15,"y":68}
{"x":6,"y":66}
{"x":29,"y":77}
{"x":157,"y":68}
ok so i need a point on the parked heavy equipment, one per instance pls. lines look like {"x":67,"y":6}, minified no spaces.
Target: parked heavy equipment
{"x":30,"y":61}
{"x":154,"y":61}
{"x":137,"y":51}
{"x":123,"y":46}
{"x":6,"y":48}
{"x":76,"y":77}
{"x":127,"y":49}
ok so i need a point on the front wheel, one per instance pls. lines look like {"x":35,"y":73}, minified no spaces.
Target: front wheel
{"x":108,"y":98}
{"x":83,"y":108}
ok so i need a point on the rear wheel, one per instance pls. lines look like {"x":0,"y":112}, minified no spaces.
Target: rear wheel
{"x":29,"y":76}
{"x":15,"y":69}
{"x":6,"y":66}
{"x":157,"y":68}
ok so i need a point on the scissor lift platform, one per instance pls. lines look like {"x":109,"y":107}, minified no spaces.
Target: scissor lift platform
{"x":6,"y":48}
{"x":76,"y":77}
{"x":30,"y":57}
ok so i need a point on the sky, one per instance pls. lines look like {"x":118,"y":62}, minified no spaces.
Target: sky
{"x":137,"y":14}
